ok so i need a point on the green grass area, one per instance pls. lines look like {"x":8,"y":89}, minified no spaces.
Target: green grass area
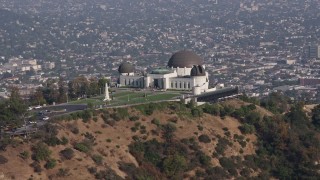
{"x":129,"y":97}
{"x":88,"y":100}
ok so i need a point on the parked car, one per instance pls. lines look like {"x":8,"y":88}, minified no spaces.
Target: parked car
{"x":45,"y":118}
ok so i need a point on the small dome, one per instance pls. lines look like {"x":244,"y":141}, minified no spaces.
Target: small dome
{"x":126,"y":68}
{"x":183,"y":59}
{"x":198,"y":71}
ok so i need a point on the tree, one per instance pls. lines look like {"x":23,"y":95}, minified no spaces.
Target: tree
{"x":62,"y":91}
{"x":37,"y":97}
{"x":316,"y":117}
{"x":41,"y":152}
{"x":13,"y":109}
{"x":102,"y":83}
{"x":168,"y":132}
{"x":174,"y":164}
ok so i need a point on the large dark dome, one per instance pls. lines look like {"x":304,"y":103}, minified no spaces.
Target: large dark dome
{"x":183,"y":59}
{"x":198,"y":71}
{"x":126,"y":68}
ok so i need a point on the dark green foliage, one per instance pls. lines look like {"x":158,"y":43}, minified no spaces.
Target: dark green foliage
{"x":226,"y":163}
{"x":83,"y":147}
{"x":316,"y":117}
{"x":252,"y":100}
{"x":123,"y":113}
{"x":173,"y":165}
{"x":134,"y":129}
{"x":25,"y":155}
{"x":41,"y":152}
{"x":75,"y":130}
{"x":168,"y":132}
{"x":200,"y":128}
{"x":36,"y":167}
{"x":13,"y":110}
{"x":98,"y":159}
{"x":134,"y":118}
{"x":67,"y":153}
{"x":50,"y":164}
{"x":148,"y":109}
{"x":222,"y":145}
{"x":4,"y":143}
{"x":63,"y":172}
{"x":52,"y":141}
{"x":226,"y":110}
{"x":213,"y":109}
{"x":204,"y":138}
{"x":275,"y":103}
{"x":3,"y":160}
{"x":246,"y":128}
{"x":156,"y":122}
{"x":92,"y":170}
{"x":86,"y":115}
{"x":196,"y":112}
{"x":204,"y":159}
{"x":217,"y":173}
{"x":107,"y":174}
{"x":64,"y":141}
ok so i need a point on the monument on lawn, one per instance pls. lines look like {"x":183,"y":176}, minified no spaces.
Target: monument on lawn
{"x":106,"y":93}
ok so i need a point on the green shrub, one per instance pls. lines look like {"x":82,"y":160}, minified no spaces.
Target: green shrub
{"x":52,"y":141}
{"x":67,"y":153}
{"x":134,"y":118}
{"x":204,"y":159}
{"x":204,"y":138}
{"x":41,"y":152}
{"x":82,"y":147}
{"x":25,"y":155}
{"x":86,"y":115}
{"x":200,"y":128}
{"x":212,"y":109}
{"x":98,"y":159}
{"x":227,"y":163}
{"x":246,"y":128}
{"x":75,"y":130}
{"x":36,"y":167}
{"x":63,"y":172}
{"x":3,"y":160}
{"x":134,"y":129}
{"x":95,"y":119}
{"x":196,"y":112}
{"x":222,"y":145}
{"x":50,"y":164}
{"x":122,"y":113}
{"x":64,"y":141}
{"x":172,"y":165}
{"x":156,"y":122}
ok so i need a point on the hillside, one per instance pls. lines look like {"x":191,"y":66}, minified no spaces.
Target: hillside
{"x":155,"y":141}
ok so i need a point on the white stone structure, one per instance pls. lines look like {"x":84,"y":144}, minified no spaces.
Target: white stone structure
{"x":185,"y":71}
{"x":106,"y":93}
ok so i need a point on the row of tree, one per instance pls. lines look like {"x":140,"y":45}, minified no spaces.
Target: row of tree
{"x":60,"y":92}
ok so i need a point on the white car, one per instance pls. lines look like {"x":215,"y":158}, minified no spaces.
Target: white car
{"x":37,"y":107}
{"x":45,"y":118}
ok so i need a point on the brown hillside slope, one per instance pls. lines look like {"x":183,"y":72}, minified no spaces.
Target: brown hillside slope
{"x":111,"y":142}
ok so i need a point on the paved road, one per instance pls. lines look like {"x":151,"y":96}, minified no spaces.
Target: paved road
{"x":53,"y":111}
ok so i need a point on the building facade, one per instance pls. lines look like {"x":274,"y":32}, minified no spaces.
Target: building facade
{"x":184,"y":71}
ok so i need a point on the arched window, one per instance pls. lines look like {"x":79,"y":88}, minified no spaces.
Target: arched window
{"x":188,"y":85}
{"x":171,"y":84}
{"x":180,"y":85}
{"x":184,"y":85}
{"x":176,"y":84}
{"x":125,"y":81}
